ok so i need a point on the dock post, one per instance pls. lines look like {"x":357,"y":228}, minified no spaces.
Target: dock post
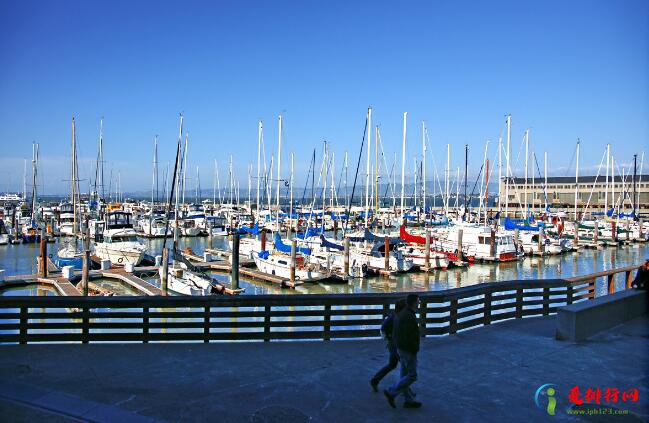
{"x":43,"y":262}
{"x":492,"y":243}
{"x":516,"y":237}
{"x":86,"y":260}
{"x":628,"y":229}
{"x":460,"y":254}
{"x":541,"y":240}
{"x":335,"y":229}
{"x":596,"y":233}
{"x":640,"y":222}
{"x":576,"y":225}
{"x":614,"y":230}
{"x":427,"y":261}
{"x":165,"y":271}
{"x":386,"y":251}
{"x":209,"y":235}
{"x":235,"y":257}
{"x":346,"y":257}
{"x":293,"y":257}
{"x":263,"y":240}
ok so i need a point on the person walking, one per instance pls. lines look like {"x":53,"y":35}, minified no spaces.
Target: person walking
{"x":406,"y":338}
{"x":642,"y":277}
{"x":387,"y":329}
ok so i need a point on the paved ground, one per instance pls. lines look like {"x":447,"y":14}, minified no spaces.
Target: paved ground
{"x":488,"y":374}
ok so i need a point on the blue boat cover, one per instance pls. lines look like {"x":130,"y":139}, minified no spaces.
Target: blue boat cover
{"x":280,"y":246}
{"x":310,"y":232}
{"x":511,"y":225}
{"x":369,"y":236}
{"x":329,"y":244}
{"x":254,"y":230}
{"x":263,"y":254}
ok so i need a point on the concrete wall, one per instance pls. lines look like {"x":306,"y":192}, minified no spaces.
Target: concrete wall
{"x":578,"y":322}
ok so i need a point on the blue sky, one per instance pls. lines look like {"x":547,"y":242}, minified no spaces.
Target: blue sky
{"x":562,"y":69}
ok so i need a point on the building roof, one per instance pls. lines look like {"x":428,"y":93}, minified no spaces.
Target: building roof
{"x":582,"y":179}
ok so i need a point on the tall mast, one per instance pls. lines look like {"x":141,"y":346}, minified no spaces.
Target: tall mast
{"x":99,"y":179}
{"x":608,"y":161}
{"x":403,"y":163}
{"x":346,"y":193}
{"x":485,"y":163}
{"x":367,"y":167}
{"x":185,"y":165}
{"x":577,"y":178}
{"x":423,"y":168}
{"x":376,"y":167}
{"x":290,"y":207}
{"x":34,"y":176}
{"x":527,"y":143}
{"x":500,"y":171}
{"x":635,"y":174}
{"x":74,"y":180}
{"x":509,"y":130}
{"x":249,"y":186}
{"x":466,"y":171}
{"x":260,"y":132}
{"x":545,"y":182}
{"x":154,"y":183}
{"x":448,"y":178}
{"x":176,"y":182}
{"x":613,"y":202}
{"x":279,"y":163}
{"x":331,"y":168}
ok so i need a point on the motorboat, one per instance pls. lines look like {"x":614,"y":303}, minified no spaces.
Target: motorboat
{"x":119,"y":242}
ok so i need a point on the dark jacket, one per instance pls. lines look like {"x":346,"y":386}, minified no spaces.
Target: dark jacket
{"x":406,"y":331}
{"x":641,"y":279}
{"x":387,"y":327}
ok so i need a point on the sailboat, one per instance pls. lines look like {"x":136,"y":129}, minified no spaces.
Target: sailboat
{"x":182,"y":277}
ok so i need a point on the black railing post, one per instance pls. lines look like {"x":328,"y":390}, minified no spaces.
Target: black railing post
{"x":327,"y":322}
{"x":145,"y":325}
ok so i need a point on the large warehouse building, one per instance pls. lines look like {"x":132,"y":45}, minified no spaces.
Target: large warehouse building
{"x":594,"y":194}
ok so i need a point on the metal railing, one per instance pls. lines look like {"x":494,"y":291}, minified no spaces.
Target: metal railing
{"x":28,"y":319}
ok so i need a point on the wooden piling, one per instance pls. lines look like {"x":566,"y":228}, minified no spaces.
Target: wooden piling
{"x":460,"y":254}
{"x":42,"y":264}
{"x":427,"y":259}
{"x":492,"y":243}
{"x":596,"y":233}
{"x":614,"y":230}
{"x":86,"y":260}
{"x":165,"y":271}
{"x":209,"y":235}
{"x":235,"y":256}
{"x":346,"y":256}
{"x":293,"y":258}
{"x":263,"y":240}
{"x":576,"y":228}
{"x":386,"y":251}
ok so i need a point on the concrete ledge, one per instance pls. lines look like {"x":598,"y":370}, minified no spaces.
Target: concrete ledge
{"x":580,"y":321}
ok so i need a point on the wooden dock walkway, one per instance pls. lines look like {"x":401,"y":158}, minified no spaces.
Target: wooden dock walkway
{"x":133,"y":281}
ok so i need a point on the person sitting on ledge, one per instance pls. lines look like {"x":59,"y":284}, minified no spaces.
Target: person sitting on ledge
{"x":642,"y":277}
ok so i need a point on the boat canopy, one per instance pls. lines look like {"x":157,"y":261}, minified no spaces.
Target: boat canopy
{"x":280,"y":246}
{"x":409,"y":237}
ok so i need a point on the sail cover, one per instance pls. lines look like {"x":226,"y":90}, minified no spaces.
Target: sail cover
{"x":280,"y":246}
{"x":329,"y":244}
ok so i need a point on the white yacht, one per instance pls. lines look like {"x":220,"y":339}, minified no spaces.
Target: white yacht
{"x":119,"y":242}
